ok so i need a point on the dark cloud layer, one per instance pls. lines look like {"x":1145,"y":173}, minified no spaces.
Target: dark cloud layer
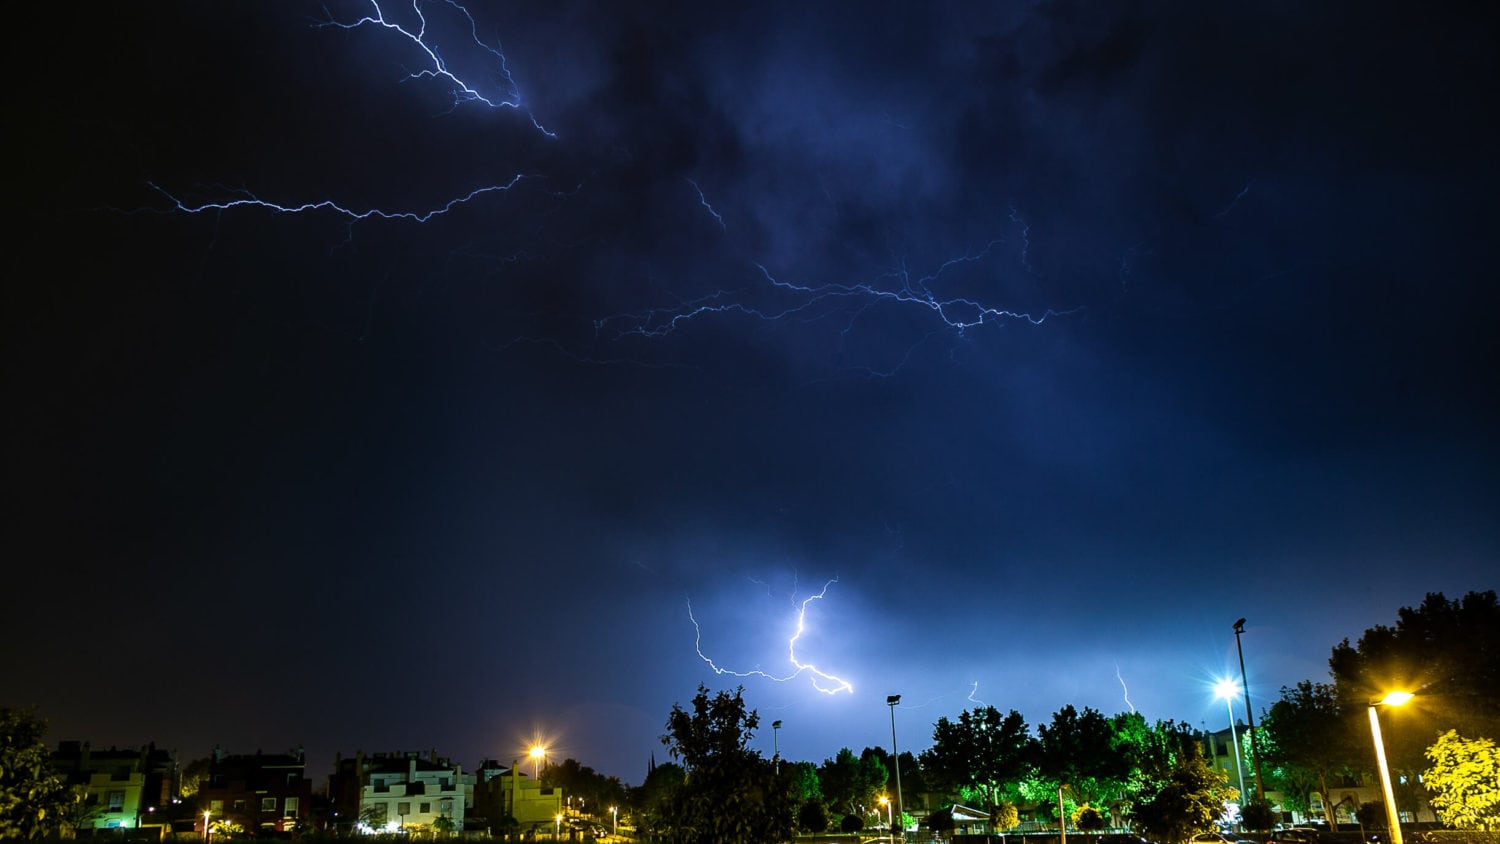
{"x":279,"y":478}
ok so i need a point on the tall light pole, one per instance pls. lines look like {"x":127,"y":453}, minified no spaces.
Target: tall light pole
{"x":1260,"y":786}
{"x":614,"y":816}
{"x":891,"y":701}
{"x":1226,"y":690}
{"x":889,"y":831}
{"x":776,"y":744}
{"x":1392,"y":817}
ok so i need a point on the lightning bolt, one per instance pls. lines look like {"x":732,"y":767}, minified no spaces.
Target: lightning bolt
{"x":824,"y":682}
{"x":1121,"y":678}
{"x":436,"y":67}
{"x":443,"y":37}
{"x":973,"y":691}
{"x":703,"y":200}
{"x":1233,"y":202}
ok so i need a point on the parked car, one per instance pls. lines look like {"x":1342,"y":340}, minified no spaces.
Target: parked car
{"x":1219,"y":838}
{"x":1311,"y":835}
{"x":1121,"y":838}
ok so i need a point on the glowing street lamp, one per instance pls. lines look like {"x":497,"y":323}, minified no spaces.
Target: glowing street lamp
{"x":1227,"y":689}
{"x":890,"y":830}
{"x":1391,"y":816}
{"x":537,"y":753}
{"x":614,"y":815}
{"x":557,"y":826}
{"x":891,"y":701}
{"x":205,"y":825}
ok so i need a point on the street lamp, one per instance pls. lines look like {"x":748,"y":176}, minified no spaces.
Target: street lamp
{"x":205,"y":825}
{"x":891,"y":701}
{"x":537,"y":753}
{"x":1260,"y":786}
{"x":776,"y":744}
{"x":890,"y":831}
{"x":1391,"y":816}
{"x":557,"y":826}
{"x":1226,"y":690}
{"x":614,"y":815}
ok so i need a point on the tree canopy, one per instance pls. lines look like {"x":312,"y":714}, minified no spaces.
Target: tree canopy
{"x":1445,"y":652}
{"x":730,"y":794}
{"x":1307,"y":735}
{"x":1189,"y":802}
{"x":1465,"y":781}
{"x":982,"y":755}
{"x":34,"y":797}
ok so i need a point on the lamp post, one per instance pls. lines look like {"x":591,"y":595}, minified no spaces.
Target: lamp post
{"x":614,"y":816}
{"x":890,"y":832}
{"x":776,"y":745}
{"x":205,"y":825}
{"x":1062,"y":817}
{"x":891,"y":701}
{"x":1260,"y":787}
{"x":557,"y":826}
{"x":1391,"y":816}
{"x":1226,"y":690}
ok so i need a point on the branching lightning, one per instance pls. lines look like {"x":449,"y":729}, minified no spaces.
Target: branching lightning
{"x":974,"y":691}
{"x":439,"y":32}
{"x":245,"y":199}
{"x":437,"y":68}
{"x":824,"y":682}
{"x":817,"y":301}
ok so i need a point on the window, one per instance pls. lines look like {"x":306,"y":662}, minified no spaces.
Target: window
{"x":216,"y":806}
{"x":268,"y":805}
{"x":403,"y":808}
{"x":116,"y":801}
{"x":425,"y":808}
{"x":289,"y":809}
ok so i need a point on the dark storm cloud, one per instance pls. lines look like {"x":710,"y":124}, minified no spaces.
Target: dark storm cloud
{"x":328,"y":455}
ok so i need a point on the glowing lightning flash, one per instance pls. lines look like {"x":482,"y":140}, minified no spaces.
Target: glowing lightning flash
{"x":824,"y":682}
{"x":437,"y":68}
{"x":1121,"y":678}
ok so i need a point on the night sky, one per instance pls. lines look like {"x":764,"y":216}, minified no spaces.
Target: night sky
{"x":1042,"y":340}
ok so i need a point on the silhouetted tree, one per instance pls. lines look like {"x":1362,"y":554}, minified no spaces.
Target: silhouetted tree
{"x":731,"y":794}
{"x":34,"y":798}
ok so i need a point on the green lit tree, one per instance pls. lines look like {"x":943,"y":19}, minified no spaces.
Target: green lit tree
{"x":1305,"y":736}
{"x":1080,"y":749}
{"x":731,"y":794}
{"x":803,"y":781}
{"x":35,"y":800}
{"x":851,"y":782}
{"x":983,"y":756}
{"x":1465,"y":781}
{"x":1191,"y":801}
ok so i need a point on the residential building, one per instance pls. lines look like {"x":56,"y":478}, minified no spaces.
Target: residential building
{"x":128,"y":786}
{"x":400,"y":791}
{"x":260,"y":792}
{"x":508,"y":792}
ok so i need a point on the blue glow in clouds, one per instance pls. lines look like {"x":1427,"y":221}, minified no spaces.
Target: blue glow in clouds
{"x":823,"y":681}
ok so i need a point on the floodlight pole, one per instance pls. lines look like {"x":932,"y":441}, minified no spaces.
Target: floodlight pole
{"x":891,"y":701}
{"x":776,"y":744}
{"x":1260,"y":786}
